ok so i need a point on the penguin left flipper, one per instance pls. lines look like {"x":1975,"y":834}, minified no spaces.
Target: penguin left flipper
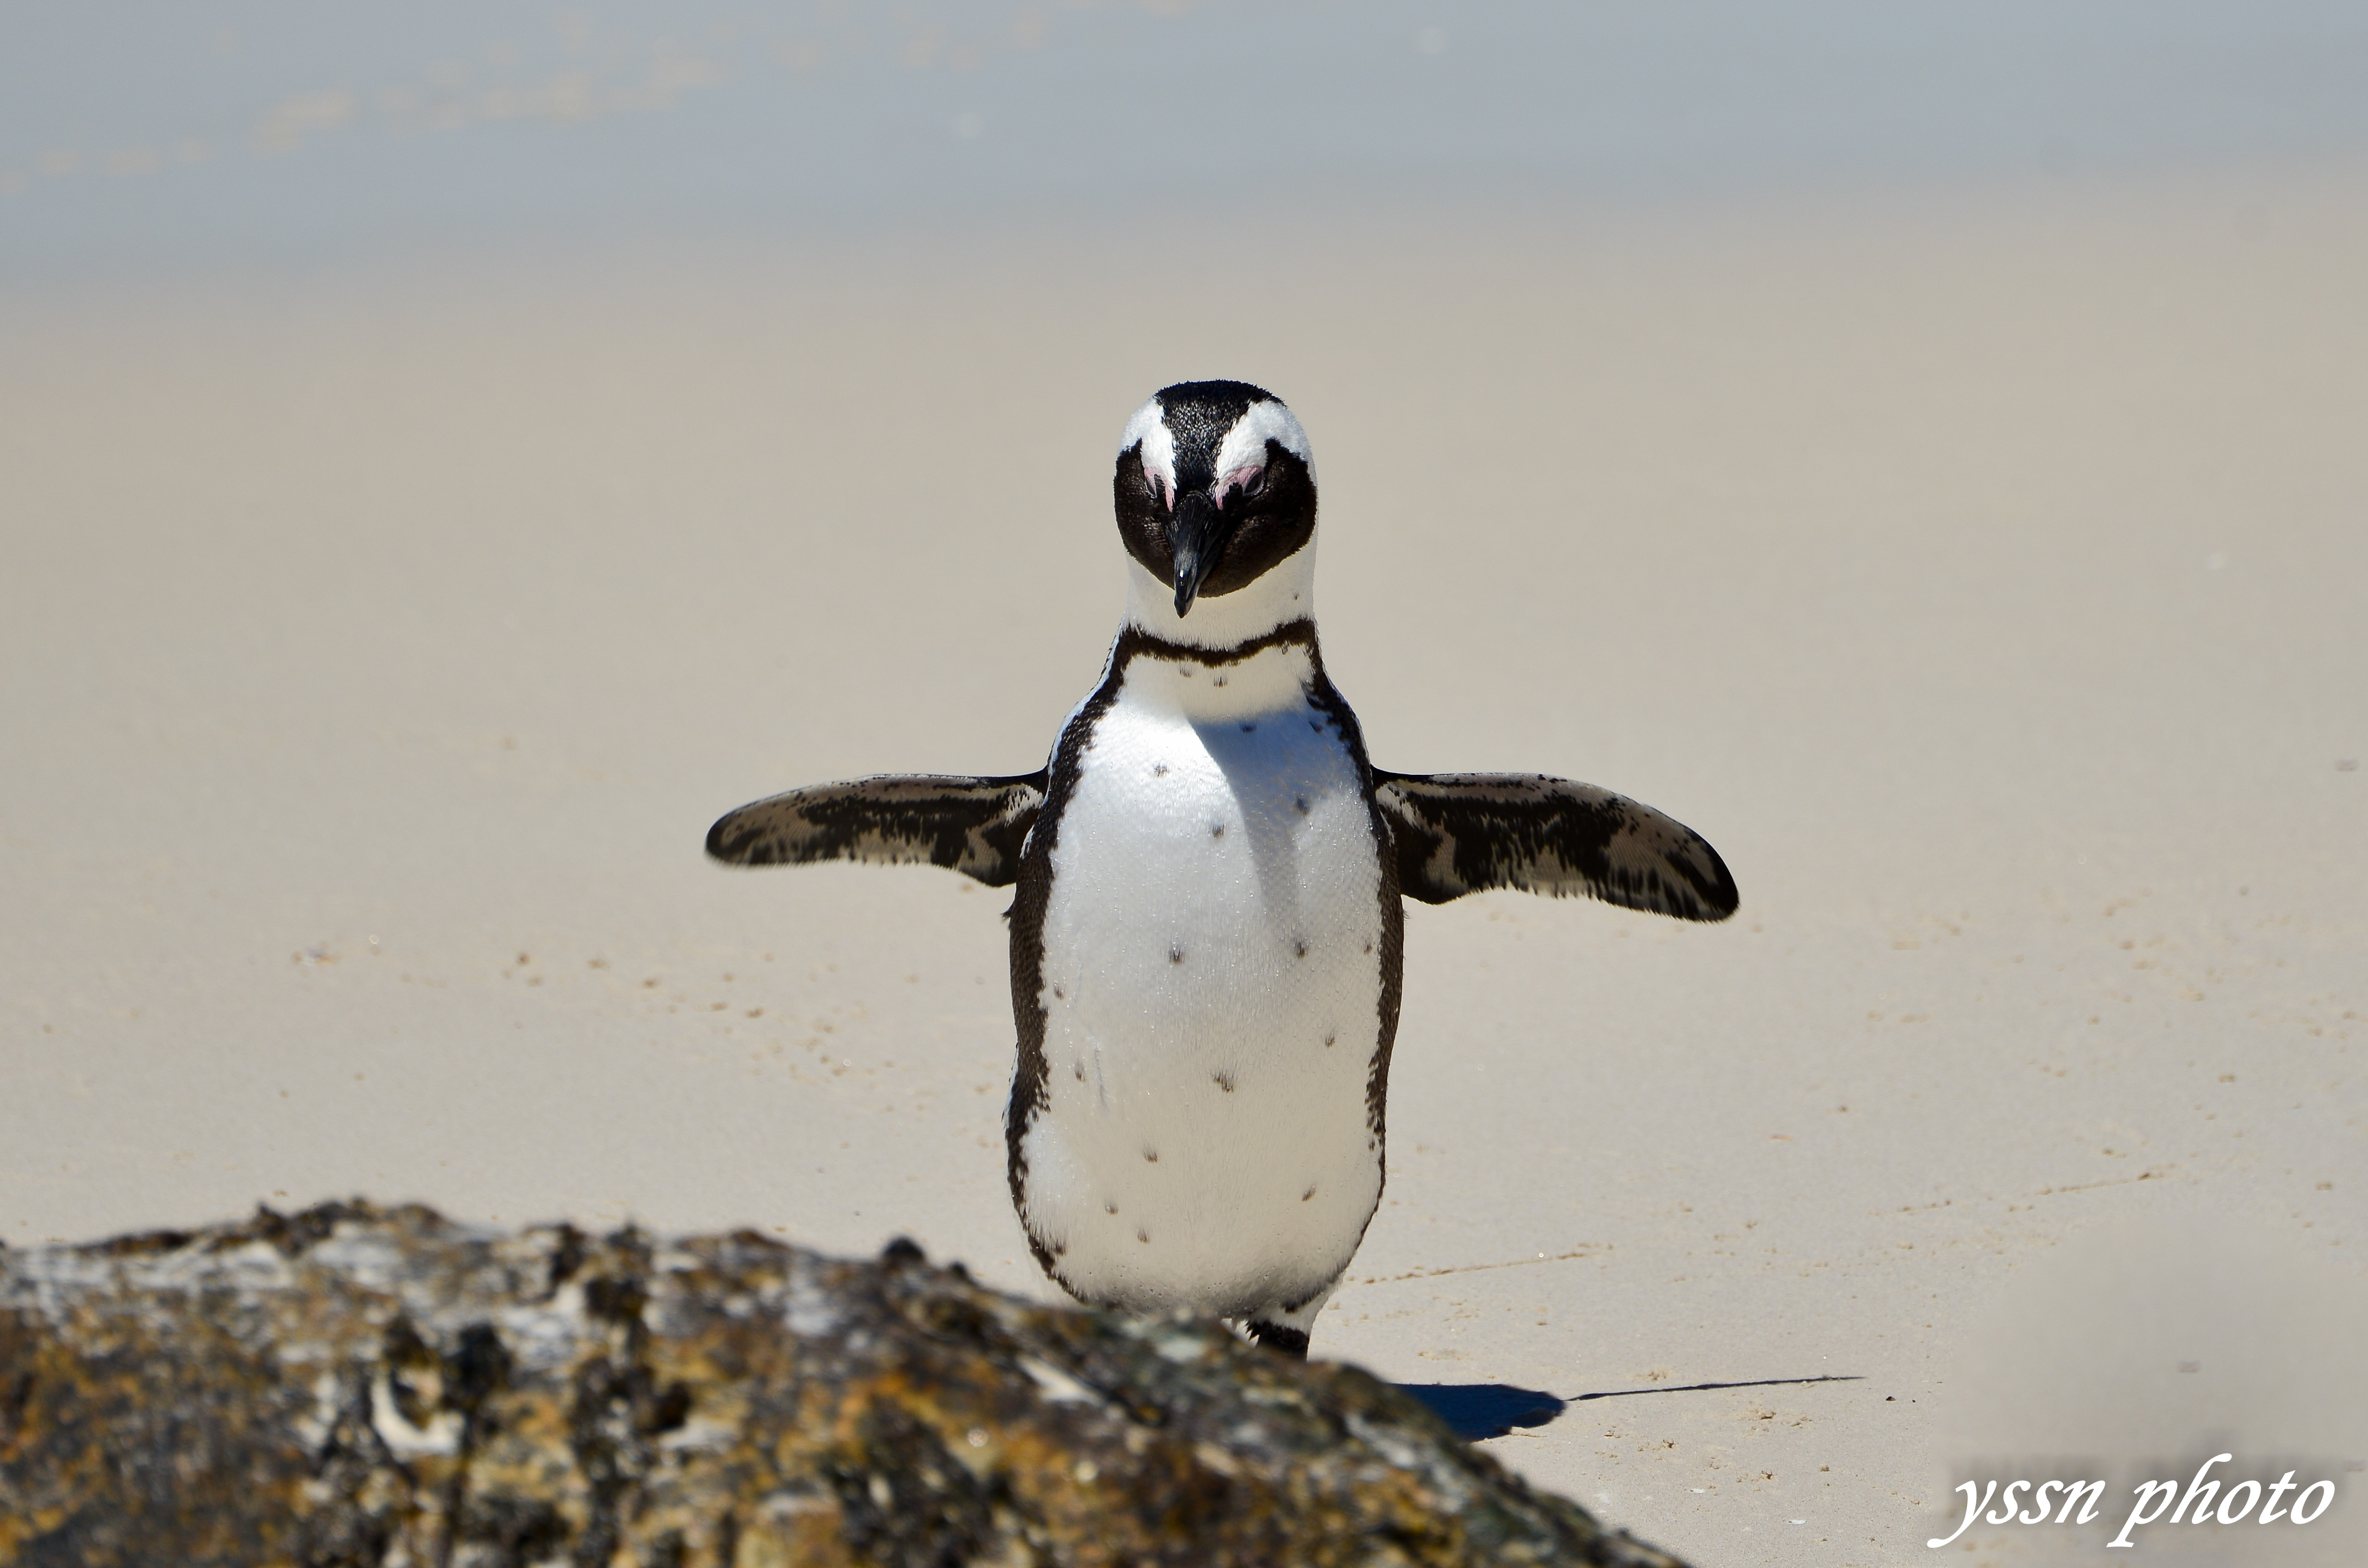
{"x":1460,"y":832}
{"x":972,"y":825}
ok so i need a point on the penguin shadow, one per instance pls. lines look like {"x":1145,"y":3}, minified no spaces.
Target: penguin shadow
{"x":1480,"y":1411}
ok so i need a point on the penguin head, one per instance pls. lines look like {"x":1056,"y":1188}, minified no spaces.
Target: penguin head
{"x":1214,"y":487}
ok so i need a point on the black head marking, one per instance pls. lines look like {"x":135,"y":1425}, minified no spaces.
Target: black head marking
{"x":1197,"y":414}
{"x":1180,"y":517}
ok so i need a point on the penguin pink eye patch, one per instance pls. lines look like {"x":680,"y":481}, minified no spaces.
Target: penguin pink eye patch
{"x":1249,"y":478}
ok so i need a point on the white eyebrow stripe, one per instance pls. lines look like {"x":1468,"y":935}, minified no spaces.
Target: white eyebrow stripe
{"x":1149,"y":426}
{"x":1244,"y":444}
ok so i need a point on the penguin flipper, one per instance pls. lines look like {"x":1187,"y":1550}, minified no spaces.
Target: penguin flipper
{"x":972,"y":825}
{"x":1458,"y":832}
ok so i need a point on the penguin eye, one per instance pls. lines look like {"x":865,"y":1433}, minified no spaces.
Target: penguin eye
{"x":1254,"y":485}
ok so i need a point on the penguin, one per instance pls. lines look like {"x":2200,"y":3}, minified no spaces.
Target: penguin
{"x":1207,"y":927}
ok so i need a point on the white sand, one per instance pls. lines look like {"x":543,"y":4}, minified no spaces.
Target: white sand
{"x":1988,"y":578}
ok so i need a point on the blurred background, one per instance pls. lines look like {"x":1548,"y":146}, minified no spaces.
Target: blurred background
{"x":449,"y":453}
{"x":154,"y":134}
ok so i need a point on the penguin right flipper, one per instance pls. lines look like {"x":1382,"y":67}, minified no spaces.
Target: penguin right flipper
{"x":972,"y":825}
{"x":1458,"y":832}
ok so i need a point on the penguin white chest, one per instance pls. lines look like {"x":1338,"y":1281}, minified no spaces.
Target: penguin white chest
{"x":1211,"y":981}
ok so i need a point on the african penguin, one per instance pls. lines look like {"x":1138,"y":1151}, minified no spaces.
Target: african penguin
{"x":1205,"y":936}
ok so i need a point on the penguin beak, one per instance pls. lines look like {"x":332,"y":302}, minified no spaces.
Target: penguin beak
{"x":1197,"y":532}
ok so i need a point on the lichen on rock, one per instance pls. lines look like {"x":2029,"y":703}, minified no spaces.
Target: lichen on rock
{"x":356,"y":1387}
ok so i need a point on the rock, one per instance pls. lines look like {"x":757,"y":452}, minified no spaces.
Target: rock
{"x":353,"y":1386}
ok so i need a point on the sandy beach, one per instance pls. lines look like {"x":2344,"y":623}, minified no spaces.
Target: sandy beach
{"x":1984,"y":573}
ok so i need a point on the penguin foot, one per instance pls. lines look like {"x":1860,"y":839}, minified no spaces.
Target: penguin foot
{"x":1291,"y":1342}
